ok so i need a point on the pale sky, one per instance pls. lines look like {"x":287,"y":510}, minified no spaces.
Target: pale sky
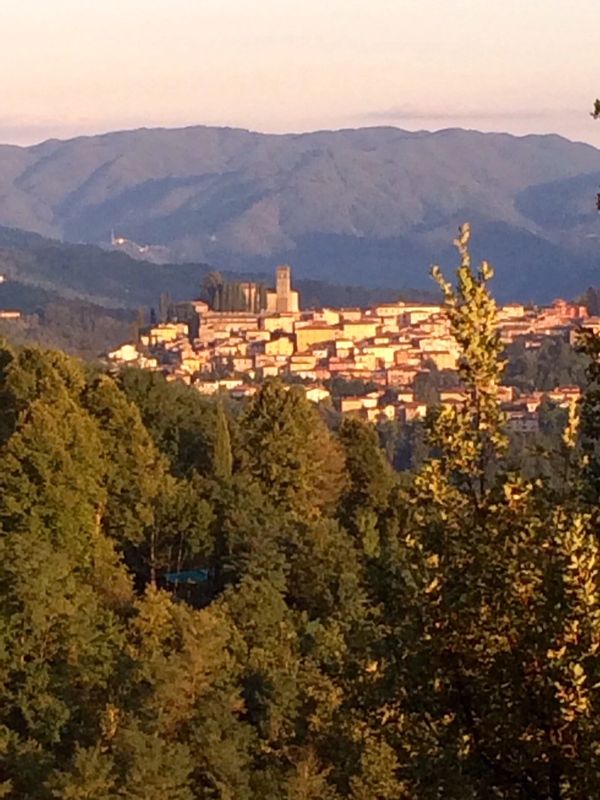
{"x":87,"y":66}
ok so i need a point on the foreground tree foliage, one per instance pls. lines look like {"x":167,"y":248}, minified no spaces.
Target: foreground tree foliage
{"x":198,"y":603}
{"x":494,"y":649}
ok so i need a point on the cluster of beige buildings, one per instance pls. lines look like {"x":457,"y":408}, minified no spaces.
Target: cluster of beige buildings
{"x":532,"y":325}
{"x":387,"y":346}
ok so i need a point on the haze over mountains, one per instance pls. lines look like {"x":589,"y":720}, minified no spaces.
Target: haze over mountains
{"x":374,"y":206}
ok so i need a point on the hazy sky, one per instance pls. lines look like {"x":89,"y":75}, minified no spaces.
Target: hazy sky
{"x":84,"y":66}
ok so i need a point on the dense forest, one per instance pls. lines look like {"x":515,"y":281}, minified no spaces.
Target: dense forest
{"x":201,"y":601}
{"x":76,"y":327}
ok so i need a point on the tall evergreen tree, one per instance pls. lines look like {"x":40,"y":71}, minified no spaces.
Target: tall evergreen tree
{"x":135,"y":476}
{"x":222,"y":456}
{"x":289,"y":450}
{"x":364,"y":503}
{"x":164,"y":306}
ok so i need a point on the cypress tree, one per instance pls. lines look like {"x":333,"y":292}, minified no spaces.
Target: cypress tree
{"x":369,"y":476}
{"x":222,"y":455}
{"x":164,"y":305}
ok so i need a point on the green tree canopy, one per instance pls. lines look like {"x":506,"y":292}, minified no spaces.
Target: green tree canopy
{"x":288,"y":449}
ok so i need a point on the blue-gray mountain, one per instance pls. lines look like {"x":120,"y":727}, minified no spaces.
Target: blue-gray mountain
{"x":374,"y":206}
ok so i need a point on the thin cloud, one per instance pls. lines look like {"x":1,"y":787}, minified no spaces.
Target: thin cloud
{"x":466,"y":115}
{"x":32,"y":130}
{"x":29,"y":129}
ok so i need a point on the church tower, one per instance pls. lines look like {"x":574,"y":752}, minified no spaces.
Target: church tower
{"x":284,"y":290}
{"x":283,"y":299}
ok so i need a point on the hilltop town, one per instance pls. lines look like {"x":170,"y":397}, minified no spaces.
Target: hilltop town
{"x":248,"y":333}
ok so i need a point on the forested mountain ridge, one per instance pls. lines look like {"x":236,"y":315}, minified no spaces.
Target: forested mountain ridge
{"x":206,"y":603}
{"x":374,"y":206}
{"x":38,"y":268}
{"x":84,"y":299}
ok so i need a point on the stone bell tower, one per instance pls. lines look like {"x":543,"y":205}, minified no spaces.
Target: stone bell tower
{"x":284,"y":290}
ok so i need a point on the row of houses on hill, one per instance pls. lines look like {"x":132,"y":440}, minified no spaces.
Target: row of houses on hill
{"x":386,"y":346}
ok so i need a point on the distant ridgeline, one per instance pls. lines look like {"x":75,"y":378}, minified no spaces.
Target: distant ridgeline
{"x":251,"y":296}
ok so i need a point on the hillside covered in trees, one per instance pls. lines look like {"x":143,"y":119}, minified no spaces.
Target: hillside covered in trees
{"x":38,"y":270}
{"x":85,"y":300}
{"x":209,"y":602}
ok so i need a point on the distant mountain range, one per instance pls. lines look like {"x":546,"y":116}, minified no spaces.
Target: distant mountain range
{"x":373,"y":206}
